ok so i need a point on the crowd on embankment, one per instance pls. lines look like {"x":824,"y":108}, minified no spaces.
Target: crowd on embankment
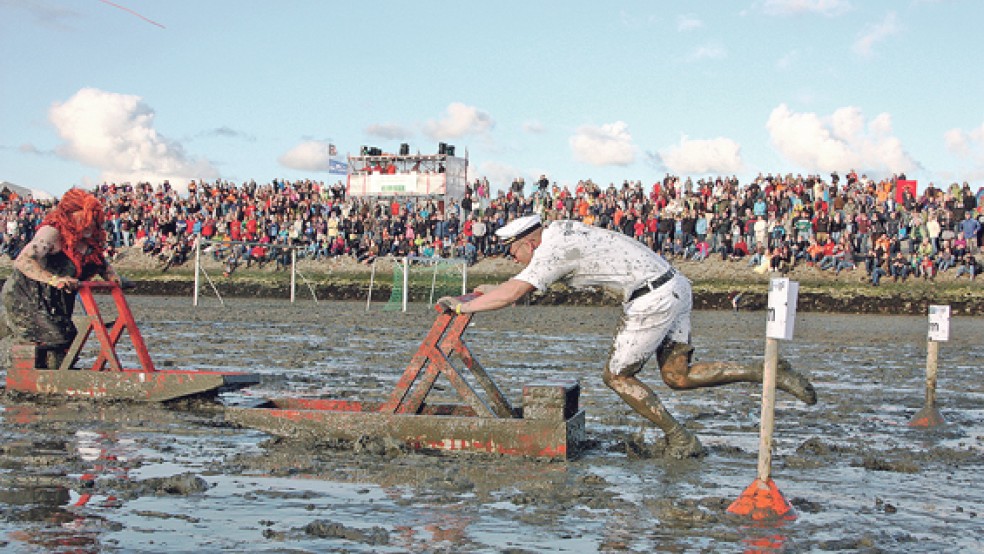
{"x":877,"y":228}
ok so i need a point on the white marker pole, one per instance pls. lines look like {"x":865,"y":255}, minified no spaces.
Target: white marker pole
{"x":198,"y":268}
{"x":779,"y":325}
{"x":293,"y":273}
{"x":762,"y":499}
{"x":406,"y":282}
{"x":932,"y":367}
{"x":939,"y":331}
{"x":768,"y":409}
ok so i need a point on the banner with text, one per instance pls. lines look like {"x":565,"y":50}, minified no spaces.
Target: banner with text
{"x":401,"y":184}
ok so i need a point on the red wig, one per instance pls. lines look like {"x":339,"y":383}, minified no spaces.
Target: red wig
{"x":90,"y":216}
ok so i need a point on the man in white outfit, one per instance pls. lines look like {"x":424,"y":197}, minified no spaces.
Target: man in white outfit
{"x":655,"y":314}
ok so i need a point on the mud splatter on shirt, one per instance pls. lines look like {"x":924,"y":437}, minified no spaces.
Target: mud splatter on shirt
{"x":585,"y":256}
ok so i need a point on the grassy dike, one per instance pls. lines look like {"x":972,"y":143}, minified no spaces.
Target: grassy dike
{"x":715,"y":284}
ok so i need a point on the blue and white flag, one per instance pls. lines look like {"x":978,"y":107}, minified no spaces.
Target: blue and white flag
{"x":337,"y":167}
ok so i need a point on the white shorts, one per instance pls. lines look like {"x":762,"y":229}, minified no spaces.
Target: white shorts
{"x":650,"y":319}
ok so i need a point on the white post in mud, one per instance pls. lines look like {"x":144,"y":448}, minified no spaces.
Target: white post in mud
{"x":932,"y":367}
{"x":433,"y":284}
{"x":768,"y":418}
{"x":939,"y":331}
{"x":762,"y":499}
{"x":198,"y":268}
{"x":779,"y":326}
{"x":372,"y":280}
{"x":406,"y":281}
{"x":293,"y":273}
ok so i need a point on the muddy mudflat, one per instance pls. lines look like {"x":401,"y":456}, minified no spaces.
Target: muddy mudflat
{"x":103,"y":476}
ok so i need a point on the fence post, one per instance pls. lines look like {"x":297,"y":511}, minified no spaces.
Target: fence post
{"x":293,"y":273}
{"x":198,"y":267}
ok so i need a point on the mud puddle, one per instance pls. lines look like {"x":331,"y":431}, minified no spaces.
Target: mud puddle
{"x":81,"y":476}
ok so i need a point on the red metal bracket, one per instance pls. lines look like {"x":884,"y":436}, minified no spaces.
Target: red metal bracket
{"x":108,"y":338}
{"x":432,"y":360}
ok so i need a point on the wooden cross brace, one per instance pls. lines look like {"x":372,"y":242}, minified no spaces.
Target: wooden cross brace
{"x":108,"y":338}
{"x":432,"y":360}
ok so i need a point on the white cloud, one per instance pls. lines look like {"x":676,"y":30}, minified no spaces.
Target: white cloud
{"x":839,"y":142}
{"x":846,"y":123}
{"x":533,"y":126}
{"x":957,"y":142}
{"x":115,"y":134}
{"x":708,"y":52}
{"x":968,"y":146}
{"x":828,"y":8}
{"x":876,"y":33}
{"x":390,"y":131}
{"x":718,"y":155}
{"x":459,"y":120}
{"x":609,"y":144}
{"x":310,"y":155}
{"x":688,"y":22}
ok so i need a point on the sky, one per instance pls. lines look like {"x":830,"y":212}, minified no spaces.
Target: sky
{"x":93,"y":91}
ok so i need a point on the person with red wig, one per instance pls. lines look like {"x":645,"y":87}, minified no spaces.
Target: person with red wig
{"x":39,"y":296}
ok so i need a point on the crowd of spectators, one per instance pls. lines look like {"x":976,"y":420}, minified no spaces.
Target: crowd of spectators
{"x":773,"y":223}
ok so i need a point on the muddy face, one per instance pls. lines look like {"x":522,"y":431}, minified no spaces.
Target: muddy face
{"x":144,"y":478}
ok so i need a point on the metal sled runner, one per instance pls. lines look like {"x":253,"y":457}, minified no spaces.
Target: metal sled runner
{"x":550,"y":423}
{"x":107,"y":378}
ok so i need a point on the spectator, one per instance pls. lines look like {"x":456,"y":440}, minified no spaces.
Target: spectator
{"x":945,"y":260}
{"x":676,"y":217}
{"x":900,"y":267}
{"x":877,"y":269}
{"x":968,"y":266}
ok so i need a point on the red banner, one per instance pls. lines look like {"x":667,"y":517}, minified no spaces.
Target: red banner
{"x":902,"y":186}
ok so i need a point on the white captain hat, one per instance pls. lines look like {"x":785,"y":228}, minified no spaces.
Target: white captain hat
{"x":518,"y":228}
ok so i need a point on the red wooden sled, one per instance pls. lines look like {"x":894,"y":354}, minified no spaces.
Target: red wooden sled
{"x":107,"y":378}
{"x":549,"y":424}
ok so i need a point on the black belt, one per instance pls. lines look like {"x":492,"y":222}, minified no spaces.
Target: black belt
{"x":650,"y":286}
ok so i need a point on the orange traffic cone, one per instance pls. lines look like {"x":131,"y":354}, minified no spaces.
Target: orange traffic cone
{"x":927,"y":417}
{"x":762,"y":501}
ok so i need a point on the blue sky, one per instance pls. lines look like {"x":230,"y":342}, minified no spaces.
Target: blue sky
{"x":141,"y":90}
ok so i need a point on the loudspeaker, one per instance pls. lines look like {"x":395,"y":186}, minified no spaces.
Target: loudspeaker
{"x":404,"y":149}
{"x":442,"y":148}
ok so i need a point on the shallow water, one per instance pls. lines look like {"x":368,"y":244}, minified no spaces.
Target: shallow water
{"x":92,"y":477}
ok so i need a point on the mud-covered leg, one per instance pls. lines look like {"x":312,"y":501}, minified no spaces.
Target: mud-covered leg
{"x":680,"y":443}
{"x":679,"y":373}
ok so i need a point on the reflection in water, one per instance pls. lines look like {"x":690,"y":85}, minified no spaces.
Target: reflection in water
{"x":109,"y":456}
{"x":764,"y":537}
{"x":46,"y":520}
{"x":41,"y":497}
{"x":59,"y":513}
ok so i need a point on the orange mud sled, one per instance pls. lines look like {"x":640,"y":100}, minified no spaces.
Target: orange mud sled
{"x":550,"y":423}
{"x":107,"y":378}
